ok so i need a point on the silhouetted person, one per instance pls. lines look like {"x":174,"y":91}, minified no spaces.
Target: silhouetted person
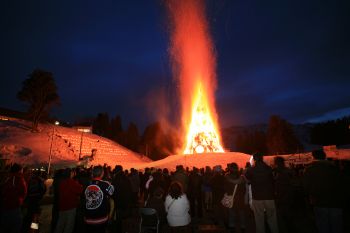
{"x":13,"y":193}
{"x":261,"y":179}
{"x":207,"y":189}
{"x":322,"y":181}
{"x":58,"y":176}
{"x":237,"y":215}
{"x":36,"y":191}
{"x":135,"y":185}
{"x":181,"y":177}
{"x":69,"y":198}
{"x":217,"y":183}
{"x":122,"y":196}
{"x":156,"y":201}
{"x":195,"y":193}
{"x":284,"y":196}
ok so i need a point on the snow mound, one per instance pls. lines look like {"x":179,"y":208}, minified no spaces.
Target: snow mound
{"x":200,"y":160}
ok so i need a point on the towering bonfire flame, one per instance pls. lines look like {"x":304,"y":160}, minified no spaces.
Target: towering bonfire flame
{"x":194,"y":66}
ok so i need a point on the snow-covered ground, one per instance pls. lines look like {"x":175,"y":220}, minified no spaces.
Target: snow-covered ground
{"x":19,"y":144}
{"x":200,"y":160}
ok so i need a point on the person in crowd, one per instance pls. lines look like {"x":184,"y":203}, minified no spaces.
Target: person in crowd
{"x":195,"y":193}
{"x":107,"y":173}
{"x":177,"y":207}
{"x":236,"y":214}
{"x":144,"y":178}
{"x":83,"y":177}
{"x":166,"y":178}
{"x":58,"y":176}
{"x":35,"y":193}
{"x":13,"y":193}
{"x":126,"y":172}
{"x":135,"y":185}
{"x":155,"y":181}
{"x":207,"y":189}
{"x":156,"y":201}
{"x":345,"y":172}
{"x":97,"y":202}
{"x":248,"y":187}
{"x":260,"y":177}
{"x":181,"y":177}
{"x":284,"y":196}
{"x":122,"y":196}
{"x":68,"y":202}
{"x":323,"y":183}
{"x":217,"y":184}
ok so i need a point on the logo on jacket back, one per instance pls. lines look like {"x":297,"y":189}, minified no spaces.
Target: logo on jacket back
{"x":94,"y":197}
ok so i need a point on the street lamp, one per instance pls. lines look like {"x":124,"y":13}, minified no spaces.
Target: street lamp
{"x":50,"y":154}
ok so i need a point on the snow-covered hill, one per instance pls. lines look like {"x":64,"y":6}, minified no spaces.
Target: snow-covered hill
{"x":19,"y":144}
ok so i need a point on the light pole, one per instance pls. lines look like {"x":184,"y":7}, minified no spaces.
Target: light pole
{"x":81,"y":144}
{"x":50,"y":155}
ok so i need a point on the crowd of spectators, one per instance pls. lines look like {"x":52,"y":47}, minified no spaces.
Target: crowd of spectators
{"x":304,"y":198}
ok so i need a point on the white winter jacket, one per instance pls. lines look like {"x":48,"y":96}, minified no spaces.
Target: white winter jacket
{"x":177,"y":210}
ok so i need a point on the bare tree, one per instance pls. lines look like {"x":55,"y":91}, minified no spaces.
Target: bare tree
{"x":40,"y":92}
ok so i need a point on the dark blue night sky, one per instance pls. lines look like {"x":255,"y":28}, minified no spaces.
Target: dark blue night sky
{"x":290,"y":58}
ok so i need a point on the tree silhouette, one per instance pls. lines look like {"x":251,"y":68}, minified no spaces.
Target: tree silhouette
{"x":251,"y":142}
{"x":281,"y":138}
{"x":101,"y":125}
{"x":335,"y":132}
{"x":40,"y":91}
{"x":117,"y":130}
{"x":157,"y":143}
{"x":132,"y":137}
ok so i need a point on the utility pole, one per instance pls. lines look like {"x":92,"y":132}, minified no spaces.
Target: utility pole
{"x":50,"y":154}
{"x":81,"y":144}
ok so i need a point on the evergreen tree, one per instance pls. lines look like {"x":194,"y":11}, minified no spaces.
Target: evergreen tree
{"x":101,"y":125}
{"x":117,"y":129}
{"x":335,"y":132}
{"x":132,"y":137}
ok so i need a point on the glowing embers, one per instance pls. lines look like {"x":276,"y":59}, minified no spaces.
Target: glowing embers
{"x":202,"y":136}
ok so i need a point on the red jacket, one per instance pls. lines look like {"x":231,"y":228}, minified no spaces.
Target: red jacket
{"x":69,"y":193}
{"x":14,"y":191}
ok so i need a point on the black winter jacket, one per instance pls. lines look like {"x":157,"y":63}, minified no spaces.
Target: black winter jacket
{"x":261,"y":178}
